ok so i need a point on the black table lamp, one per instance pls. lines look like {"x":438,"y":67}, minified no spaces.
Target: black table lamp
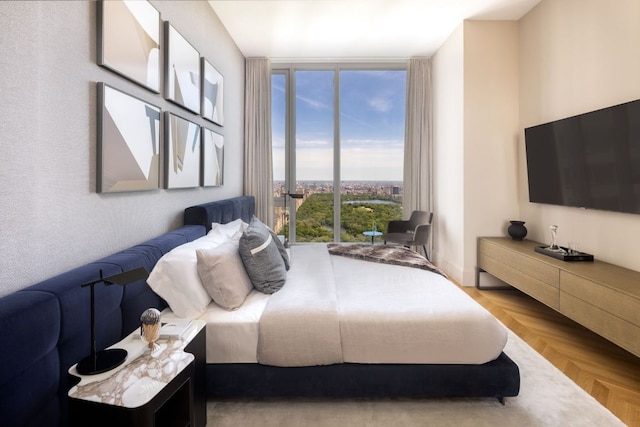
{"x":105,"y":360}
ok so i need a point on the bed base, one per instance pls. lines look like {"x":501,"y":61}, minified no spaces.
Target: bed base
{"x":499,"y":378}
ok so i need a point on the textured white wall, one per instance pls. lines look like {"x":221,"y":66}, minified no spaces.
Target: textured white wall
{"x":51,"y":218}
{"x":578,"y":56}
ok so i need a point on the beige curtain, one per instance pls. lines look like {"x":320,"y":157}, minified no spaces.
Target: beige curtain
{"x":258,"y":167}
{"x":418,"y":194}
{"x":417,"y":139}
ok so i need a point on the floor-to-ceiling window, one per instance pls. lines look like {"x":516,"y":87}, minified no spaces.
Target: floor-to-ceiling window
{"x":338,"y":138}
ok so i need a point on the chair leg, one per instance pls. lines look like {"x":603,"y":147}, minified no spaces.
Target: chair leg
{"x":426,"y":255}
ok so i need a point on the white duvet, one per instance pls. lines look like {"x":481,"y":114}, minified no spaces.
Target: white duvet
{"x":385,"y":314}
{"x":391,"y":314}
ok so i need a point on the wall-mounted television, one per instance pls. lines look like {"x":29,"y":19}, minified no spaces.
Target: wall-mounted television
{"x":588,"y":161}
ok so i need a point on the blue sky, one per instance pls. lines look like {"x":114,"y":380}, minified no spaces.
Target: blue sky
{"x":372,"y":105}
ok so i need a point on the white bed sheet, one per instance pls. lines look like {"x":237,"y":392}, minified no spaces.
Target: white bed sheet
{"x":232,"y":336}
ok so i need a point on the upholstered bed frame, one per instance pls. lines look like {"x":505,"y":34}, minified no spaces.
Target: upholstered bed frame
{"x":45,"y":330}
{"x":499,"y":378}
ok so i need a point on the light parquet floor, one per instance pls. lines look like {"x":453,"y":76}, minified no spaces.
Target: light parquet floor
{"x":607,"y":372}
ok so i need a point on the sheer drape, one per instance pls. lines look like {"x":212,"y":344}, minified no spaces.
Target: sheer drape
{"x":418,"y":139}
{"x":258,"y":167}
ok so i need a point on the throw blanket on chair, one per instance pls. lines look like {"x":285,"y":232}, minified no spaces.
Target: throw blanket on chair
{"x":394,"y":255}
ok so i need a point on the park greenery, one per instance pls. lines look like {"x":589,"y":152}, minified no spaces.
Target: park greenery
{"x":314,"y":221}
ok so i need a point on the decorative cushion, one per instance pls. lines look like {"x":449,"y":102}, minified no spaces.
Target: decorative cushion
{"x":223,"y":275}
{"x":175,"y":278}
{"x":261,"y":258}
{"x":283,"y":251}
{"x":224,"y":232}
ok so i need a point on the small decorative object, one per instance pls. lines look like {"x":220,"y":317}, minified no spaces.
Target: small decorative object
{"x":574,"y":248}
{"x":564,"y":254}
{"x":150,"y":329}
{"x":517,"y":230}
{"x":554,"y":246}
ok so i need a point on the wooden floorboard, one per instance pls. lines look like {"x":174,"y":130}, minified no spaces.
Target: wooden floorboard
{"x":604,"y":370}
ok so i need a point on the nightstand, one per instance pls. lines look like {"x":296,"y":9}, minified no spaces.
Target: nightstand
{"x":166,"y":387}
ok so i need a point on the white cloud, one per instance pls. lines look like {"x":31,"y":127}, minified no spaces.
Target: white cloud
{"x":314,"y":103}
{"x":381,"y":104}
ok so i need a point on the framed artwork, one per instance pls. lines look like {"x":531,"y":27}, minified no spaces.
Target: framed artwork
{"x":212,"y":158}
{"x":212,"y":93}
{"x":182,"y":148}
{"x":129,"y":41}
{"x":182,"y":72}
{"x":128,"y":151}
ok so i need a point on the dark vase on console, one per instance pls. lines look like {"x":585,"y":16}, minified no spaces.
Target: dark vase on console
{"x":517,"y":230}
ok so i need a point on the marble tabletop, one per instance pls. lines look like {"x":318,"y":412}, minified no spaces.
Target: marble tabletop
{"x":141,"y":376}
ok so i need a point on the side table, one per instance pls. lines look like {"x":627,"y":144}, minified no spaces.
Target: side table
{"x":166,"y":387}
{"x":372,"y":234}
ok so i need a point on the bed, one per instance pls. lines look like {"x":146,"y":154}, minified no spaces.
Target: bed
{"x":374,"y":330}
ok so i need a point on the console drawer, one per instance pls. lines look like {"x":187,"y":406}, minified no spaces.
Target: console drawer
{"x":541,"y":291}
{"x":607,"y":299}
{"x":531,"y":266}
{"x":615,"y":329}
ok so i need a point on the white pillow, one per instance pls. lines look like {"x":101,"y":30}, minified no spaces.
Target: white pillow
{"x":223,"y":275}
{"x":175,"y":278}
{"x":224,"y":232}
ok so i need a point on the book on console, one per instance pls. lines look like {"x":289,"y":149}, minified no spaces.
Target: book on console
{"x":175,"y":328}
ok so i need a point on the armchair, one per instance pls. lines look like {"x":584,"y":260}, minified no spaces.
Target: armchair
{"x":412,"y":232}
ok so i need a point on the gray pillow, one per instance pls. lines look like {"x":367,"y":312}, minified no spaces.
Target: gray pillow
{"x":283,"y":251}
{"x":261,"y":258}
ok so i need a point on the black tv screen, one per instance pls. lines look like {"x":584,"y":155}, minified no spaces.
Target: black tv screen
{"x":589,"y":161}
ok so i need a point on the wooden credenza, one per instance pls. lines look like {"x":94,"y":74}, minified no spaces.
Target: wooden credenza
{"x":600,"y":296}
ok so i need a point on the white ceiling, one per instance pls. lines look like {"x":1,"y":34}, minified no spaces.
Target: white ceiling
{"x":353,"y":30}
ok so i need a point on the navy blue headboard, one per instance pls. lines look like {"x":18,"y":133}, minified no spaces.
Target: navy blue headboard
{"x":45,"y":328}
{"x":221,"y":211}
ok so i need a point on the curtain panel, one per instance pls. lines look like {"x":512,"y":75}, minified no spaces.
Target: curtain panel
{"x":258,"y":168}
{"x":418,"y":177}
{"x":418,"y":138}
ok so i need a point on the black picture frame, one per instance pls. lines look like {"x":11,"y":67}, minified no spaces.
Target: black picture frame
{"x":128,"y":143}
{"x":128,"y":41}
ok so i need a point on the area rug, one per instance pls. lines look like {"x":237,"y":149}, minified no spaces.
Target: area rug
{"x":547,"y":398}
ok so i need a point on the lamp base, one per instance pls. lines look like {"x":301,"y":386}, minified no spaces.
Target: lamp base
{"x":103,"y":361}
